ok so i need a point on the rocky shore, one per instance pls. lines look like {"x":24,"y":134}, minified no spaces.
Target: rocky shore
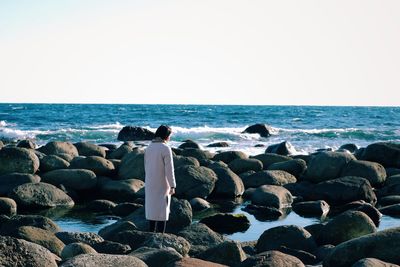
{"x":352,"y":187}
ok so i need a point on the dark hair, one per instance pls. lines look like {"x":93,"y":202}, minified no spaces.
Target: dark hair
{"x":163,"y":132}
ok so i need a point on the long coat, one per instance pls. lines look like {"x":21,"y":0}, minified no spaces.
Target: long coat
{"x":159,"y":169}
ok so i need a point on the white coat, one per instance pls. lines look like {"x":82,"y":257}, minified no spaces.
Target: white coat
{"x":159,"y":169}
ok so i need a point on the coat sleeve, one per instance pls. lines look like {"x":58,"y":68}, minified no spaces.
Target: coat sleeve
{"x":169,"y":167}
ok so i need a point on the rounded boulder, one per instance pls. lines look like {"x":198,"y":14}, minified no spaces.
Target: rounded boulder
{"x":16,"y":159}
{"x":76,"y":179}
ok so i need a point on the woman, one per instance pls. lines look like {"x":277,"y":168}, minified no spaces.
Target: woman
{"x":160,"y":180}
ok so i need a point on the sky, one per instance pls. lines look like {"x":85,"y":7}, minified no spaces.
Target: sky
{"x":257,"y":52}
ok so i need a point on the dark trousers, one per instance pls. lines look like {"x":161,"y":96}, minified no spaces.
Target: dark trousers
{"x":157,"y":226}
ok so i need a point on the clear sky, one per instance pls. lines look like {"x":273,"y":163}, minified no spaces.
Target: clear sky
{"x":342,"y":52}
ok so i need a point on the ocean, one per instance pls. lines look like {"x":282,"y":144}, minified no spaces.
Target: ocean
{"x":307,"y":128}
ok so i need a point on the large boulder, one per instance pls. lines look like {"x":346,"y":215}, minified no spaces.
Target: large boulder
{"x":385,"y":153}
{"x":88,"y":149}
{"x":111,"y":230}
{"x":262,"y":129}
{"x":79,"y":237}
{"x":182,"y":160}
{"x":193,"y":262}
{"x":270,"y":158}
{"x":272,"y":196}
{"x":325,"y":166}
{"x":103,"y":260}
{"x":154,"y":256}
{"x":133,"y":133}
{"x":296,"y":167}
{"x":189,"y":144}
{"x":285,"y":148}
{"x":110,"y":247}
{"x":383,"y":245}
{"x":158,"y":240}
{"x":8,"y":227}
{"x":273,"y":177}
{"x":226,"y":223}
{"x":99,"y":165}
{"x":123,"y":190}
{"x":180,"y":215}
{"x":346,"y":226}
{"x":8,"y":206}
{"x":197,"y":153}
{"x":239,"y":166}
{"x":16,"y":159}
{"x":271,"y":259}
{"x":53,"y":162}
{"x":132,"y":166}
{"x":228,"y":183}
{"x":199,"y":204}
{"x":374,"y":172}
{"x":17,"y":252}
{"x":194,"y":181}
{"x":75,"y":249}
{"x":55,"y":148}
{"x":371,"y":262}
{"x":229,"y":253}
{"x":391,"y":210}
{"x":228,"y":156}
{"x":311,"y":208}
{"x":120,"y":152}
{"x":40,"y":196}
{"x":9,"y":181}
{"x":76,"y":179}
{"x":290,"y":236}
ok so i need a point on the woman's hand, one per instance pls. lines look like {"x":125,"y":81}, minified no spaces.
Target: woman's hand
{"x":172,"y":191}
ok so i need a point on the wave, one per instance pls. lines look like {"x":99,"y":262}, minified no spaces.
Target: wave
{"x":3,"y":124}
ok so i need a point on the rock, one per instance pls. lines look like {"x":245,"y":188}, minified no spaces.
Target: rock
{"x":226,"y":223}
{"x":314,"y":208}
{"x":389,"y":190}
{"x":16,"y":159}
{"x":109,"y":146}
{"x":153,"y":257}
{"x":284,"y":148}
{"x":17,"y":252}
{"x":392,"y":171}
{"x":228,"y":183}
{"x":200,"y":237}
{"x":229,"y":253}
{"x":41,"y":237}
{"x":180,"y":215}
{"x":99,"y":165}
{"x":243,"y":165}
{"x":290,"y":236}
{"x":303,"y":256}
{"x":385,"y":153}
{"x":88,"y":149}
{"x":126,"y":208}
{"x":1,"y":144}
{"x":249,"y":247}
{"x":372,"y":171}
{"x":26,"y":144}
{"x":124,"y":190}
{"x":216,"y":164}
{"x":197,"y":153}
{"x":193,"y":262}
{"x":346,"y":226}
{"x":103,"y":260}
{"x":391,"y":210}
{"x":327,"y":166}
{"x":371,"y":262}
{"x":9,"y":181}
{"x":269,"y":158}
{"x":272,"y":258}
{"x":272,"y":196}
{"x":194,"y":181}
{"x":158,"y":240}
{"x":263,"y":213}
{"x":389,"y":200}
{"x":350,"y":147}
{"x":344,"y":190}
{"x":109,"y":247}
{"x":101,"y":205}
{"x":53,"y":162}
{"x":40,"y":196}
{"x":133,"y":133}
{"x":262,"y":129}
{"x":7,"y":206}
{"x":181,"y":161}
{"x":189,"y":144}
{"x":218,"y":144}
{"x":228,"y":156}
{"x":55,"y":148}
{"x":132,"y":166}
{"x":75,"y":179}
{"x":120,"y":152}
{"x":76,"y":237}
{"x":367,"y":208}
{"x":323,"y":251}
{"x":383,"y":245}
{"x":199,"y":204}
{"x":392,"y":180}
{"x":64,"y":156}
{"x":75,"y":249}
{"x":9,"y":226}
{"x":111,"y":230}
{"x":274,"y":177}
{"x":296,"y":167}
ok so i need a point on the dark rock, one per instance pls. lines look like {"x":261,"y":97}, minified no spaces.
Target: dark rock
{"x":64,"y":156}
{"x":7,"y":206}
{"x":229,"y":253}
{"x":392,"y":210}
{"x":392,"y":171}
{"x":194,"y":181}
{"x":263,"y":213}
{"x":228,"y":183}
{"x":83,"y":237}
{"x":56,"y":148}
{"x":126,"y":208}
{"x":371,"y":262}
{"x":385,"y":153}
{"x":350,"y":147}
{"x":103,"y":260}
{"x":17,"y":252}
{"x":296,"y":167}
{"x":372,"y":171}
{"x":158,"y":240}
{"x":99,"y":165}
{"x":367,"y":208}
{"x":284,"y":148}
{"x":40,"y":196}
{"x":197,"y":153}
{"x":243,"y":165}
{"x":192,"y":262}
{"x":26,"y":144}
{"x":218,"y":144}
{"x":101,"y":205}
{"x":110,"y":247}
{"x":132,"y":166}
{"x":120,"y":152}
{"x":9,"y":226}
{"x":274,"y":177}
{"x":113,"y":229}
{"x":272,"y":258}
{"x":9,"y":181}
{"x":124,"y":190}
{"x":228,"y":156}
{"x":314,"y":208}
{"x":249,"y":247}
{"x":76,"y":179}
{"x":199,"y":204}
{"x":16,"y":159}
{"x":180,"y":215}
{"x":53,"y":162}
{"x":262,"y":129}
{"x":389,"y":200}
{"x":304,"y":256}
{"x":132,"y":133}
{"x":392,"y":180}
{"x":88,"y":149}
{"x":290,"y":236}
{"x":109,"y":146}
{"x":225,"y":223}
{"x":323,"y":251}
{"x":269,"y":158}
{"x":189,"y":144}
{"x":153,"y":256}
{"x":272,"y":196}
{"x":75,"y":249}
{"x":181,"y":161}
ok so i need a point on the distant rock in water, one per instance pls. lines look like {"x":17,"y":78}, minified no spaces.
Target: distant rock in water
{"x":262,"y":129}
{"x":133,"y":133}
{"x":284,"y":148}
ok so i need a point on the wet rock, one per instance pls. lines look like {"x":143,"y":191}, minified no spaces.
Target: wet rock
{"x":374,"y":172}
{"x":290,"y":236}
{"x":228,"y":156}
{"x":56,"y":148}
{"x":272,"y":258}
{"x":99,"y":165}
{"x":350,"y":147}
{"x":218,"y":144}
{"x":272,"y":196}
{"x":226,"y":223}
{"x":228,"y":183}
{"x":391,"y":210}
{"x":313,"y":208}
{"x":133,"y":133}
{"x":7,"y":206}
{"x":284,"y":148}
{"x":17,"y":252}
{"x":153,"y":256}
{"x":111,"y":230}
{"x":76,"y":179}
{"x":389,"y":200}
{"x":274,"y":177}
{"x":75,"y":249}
{"x":385,"y":153}
{"x":110,"y":247}
{"x":123,"y":190}
{"x":101,"y":205}
{"x":40,"y":196}
{"x":132,"y":166}
{"x":103,"y":260}
{"x":76,"y":237}
{"x":270,"y":158}
{"x":53,"y":162}
{"x":126,"y":208}
{"x":26,"y":144}
{"x":199,"y":204}
{"x":262,"y":129}
{"x":15,"y":159}
{"x":229,"y":253}
{"x":194,"y":181}
{"x":189,"y":144}
{"x":296,"y":167}
{"x":88,"y":149}
{"x":263,"y":213}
